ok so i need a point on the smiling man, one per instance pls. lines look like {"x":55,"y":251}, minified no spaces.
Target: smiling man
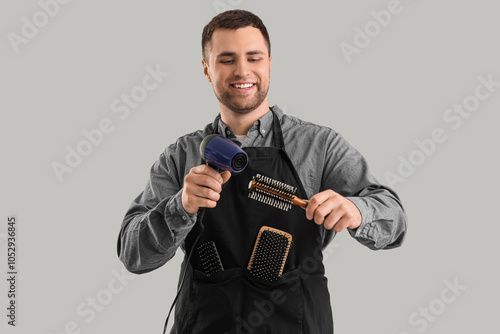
{"x":239,"y":70}
{"x":248,"y":94}
{"x":325,"y":169}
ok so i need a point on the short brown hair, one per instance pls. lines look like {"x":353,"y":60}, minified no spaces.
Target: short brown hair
{"x":232,"y":19}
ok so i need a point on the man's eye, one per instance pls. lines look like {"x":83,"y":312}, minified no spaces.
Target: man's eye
{"x":254,"y":59}
{"x":226,"y":61}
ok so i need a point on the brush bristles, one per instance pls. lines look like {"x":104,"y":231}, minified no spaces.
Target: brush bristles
{"x":270,"y":253}
{"x":281,"y":200}
{"x":278,"y":186}
{"x":210,"y":259}
{"x":270,"y":199}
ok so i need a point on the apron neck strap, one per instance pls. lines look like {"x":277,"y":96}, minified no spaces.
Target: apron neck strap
{"x":277,"y":133}
{"x":215,"y":125}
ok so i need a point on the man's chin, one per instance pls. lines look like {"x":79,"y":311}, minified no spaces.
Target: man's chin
{"x":242,"y":106}
{"x":241,"y":111}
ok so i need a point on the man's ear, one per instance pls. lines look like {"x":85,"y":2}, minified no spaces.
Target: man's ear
{"x":205,"y":70}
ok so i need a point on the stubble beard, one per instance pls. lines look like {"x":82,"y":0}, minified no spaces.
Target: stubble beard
{"x":226,"y":98}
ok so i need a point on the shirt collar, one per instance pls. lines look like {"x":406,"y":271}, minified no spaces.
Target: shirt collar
{"x":263,"y":125}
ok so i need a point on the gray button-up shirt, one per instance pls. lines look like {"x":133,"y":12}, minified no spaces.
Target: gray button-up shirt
{"x":156,"y":223}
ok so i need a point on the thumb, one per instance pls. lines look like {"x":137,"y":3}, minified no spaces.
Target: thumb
{"x":225,"y":176}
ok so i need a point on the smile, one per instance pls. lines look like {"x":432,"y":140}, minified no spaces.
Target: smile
{"x":243,"y":86}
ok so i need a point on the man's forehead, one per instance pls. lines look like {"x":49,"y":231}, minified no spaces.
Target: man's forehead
{"x":235,"y":40}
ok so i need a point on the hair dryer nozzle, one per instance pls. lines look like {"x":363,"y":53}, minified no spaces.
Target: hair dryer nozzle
{"x":222,"y":154}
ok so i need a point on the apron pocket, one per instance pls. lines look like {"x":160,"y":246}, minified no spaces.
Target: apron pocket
{"x":274,"y":306}
{"x":235,"y":301}
{"x":213,"y":300}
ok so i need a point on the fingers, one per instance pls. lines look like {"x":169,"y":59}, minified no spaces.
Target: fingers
{"x":332,"y":220}
{"x":206,"y":170}
{"x":202,"y":187}
{"x":333,"y":211}
{"x":323,"y":211}
{"x":316,"y":201}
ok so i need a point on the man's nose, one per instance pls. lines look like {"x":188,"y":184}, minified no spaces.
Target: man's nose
{"x":242,"y":69}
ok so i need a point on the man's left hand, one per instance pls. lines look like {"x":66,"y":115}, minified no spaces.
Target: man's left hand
{"x":333,"y":211}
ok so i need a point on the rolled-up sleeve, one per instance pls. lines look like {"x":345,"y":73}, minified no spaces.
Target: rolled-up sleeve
{"x":156,"y":223}
{"x":384,"y":220}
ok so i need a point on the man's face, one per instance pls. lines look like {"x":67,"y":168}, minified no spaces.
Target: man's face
{"x":239,"y":68}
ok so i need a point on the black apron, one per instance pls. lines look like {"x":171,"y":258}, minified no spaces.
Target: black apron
{"x":234,"y":301}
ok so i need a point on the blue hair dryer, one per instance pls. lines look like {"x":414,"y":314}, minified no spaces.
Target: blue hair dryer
{"x":221,"y":153}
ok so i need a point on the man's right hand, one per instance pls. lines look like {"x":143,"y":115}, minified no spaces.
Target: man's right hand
{"x":202,"y":187}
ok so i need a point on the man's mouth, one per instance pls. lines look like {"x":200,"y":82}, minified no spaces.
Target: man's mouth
{"x":243,"y":85}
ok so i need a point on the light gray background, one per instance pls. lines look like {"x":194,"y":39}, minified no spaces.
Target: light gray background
{"x":394,"y":92}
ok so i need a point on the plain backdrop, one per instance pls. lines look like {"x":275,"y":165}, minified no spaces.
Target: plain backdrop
{"x":384,"y":98}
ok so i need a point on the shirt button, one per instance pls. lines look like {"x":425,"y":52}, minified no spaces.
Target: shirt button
{"x":263,"y":131}
{"x":184,"y":218}
{"x":228,"y":132}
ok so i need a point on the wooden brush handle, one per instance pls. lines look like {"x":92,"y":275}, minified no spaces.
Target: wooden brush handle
{"x":295,"y":200}
{"x":300,"y":202}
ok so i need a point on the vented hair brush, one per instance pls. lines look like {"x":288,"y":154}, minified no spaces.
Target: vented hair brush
{"x":269,"y":253}
{"x":210,"y":259}
{"x":275,"y":193}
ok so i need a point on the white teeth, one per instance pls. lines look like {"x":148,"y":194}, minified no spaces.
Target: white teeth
{"x":243,"y":86}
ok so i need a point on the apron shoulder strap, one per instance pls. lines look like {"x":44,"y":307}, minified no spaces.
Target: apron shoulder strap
{"x":215,"y":125}
{"x":277,"y":133}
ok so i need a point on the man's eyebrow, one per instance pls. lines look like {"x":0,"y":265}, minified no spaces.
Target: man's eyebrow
{"x":230,"y":54}
{"x":226,"y":54}
{"x":255,"y":52}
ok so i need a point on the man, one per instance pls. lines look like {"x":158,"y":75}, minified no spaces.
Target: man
{"x":314,"y":159}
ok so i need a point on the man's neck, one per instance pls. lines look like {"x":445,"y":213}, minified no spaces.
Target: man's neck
{"x":240,"y":123}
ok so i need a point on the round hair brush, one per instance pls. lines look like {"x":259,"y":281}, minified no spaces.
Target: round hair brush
{"x":275,"y":193}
